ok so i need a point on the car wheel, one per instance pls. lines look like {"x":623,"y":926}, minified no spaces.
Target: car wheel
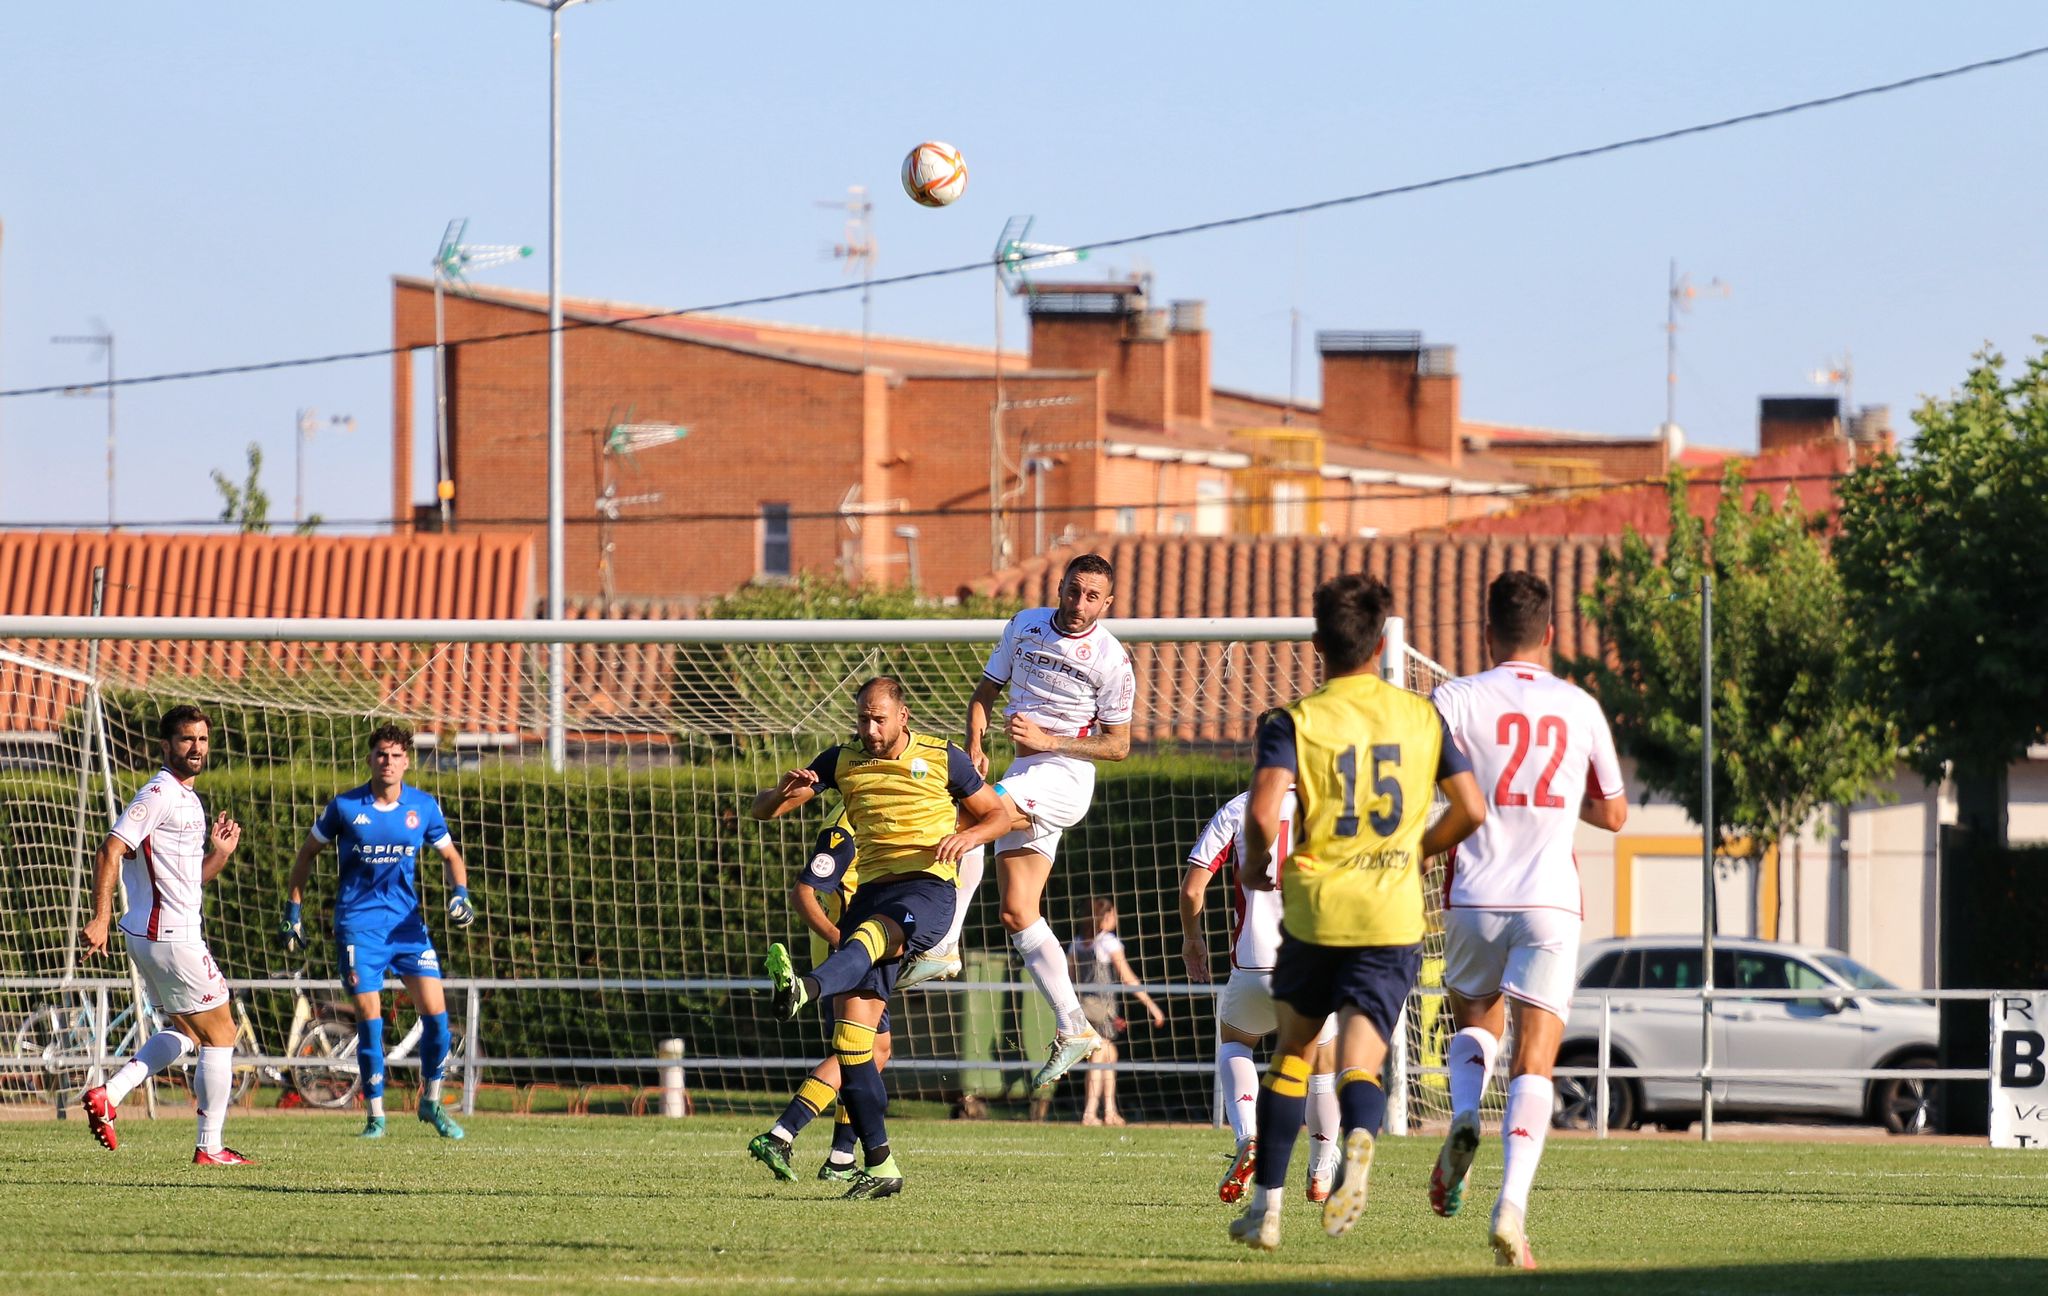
{"x":1904,"y":1104}
{"x":1577,"y":1098}
{"x":1675,"y":1125}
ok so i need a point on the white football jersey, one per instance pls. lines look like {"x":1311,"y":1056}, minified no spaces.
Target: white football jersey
{"x":165,"y":827}
{"x":1066,"y":683}
{"x":1254,"y":915}
{"x":1539,"y":746}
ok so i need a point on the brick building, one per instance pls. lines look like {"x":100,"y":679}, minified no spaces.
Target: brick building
{"x":812,"y":450}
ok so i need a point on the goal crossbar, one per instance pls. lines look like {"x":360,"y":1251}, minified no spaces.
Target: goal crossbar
{"x":532,"y":631}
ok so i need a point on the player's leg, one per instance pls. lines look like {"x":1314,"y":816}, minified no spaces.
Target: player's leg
{"x":874,"y":937}
{"x":1373,"y":984}
{"x":1282,"y":1107}
{"x":862,"y":1093}
{"x":1022,"y":873}
{"x":1244,"y":1016}
{"x":942,"y":961}
{"x":213,"y":1080}
{"x":1475,"y":955}
{"x":1325,"y":1122}
{"x":1541,"y":973}
{"x":839,"y":1162}
{"x":362,"y":960}
{"x":819,"y":1090}
{"x":157,"y":1052}
{"x":422,"y":974}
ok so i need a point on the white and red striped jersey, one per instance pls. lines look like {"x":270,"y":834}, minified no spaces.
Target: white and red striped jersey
{"x":1065,"y":683}
{"x":1539,"y":746}
{"x":165,"y":827}
{"x":1254,"y":915}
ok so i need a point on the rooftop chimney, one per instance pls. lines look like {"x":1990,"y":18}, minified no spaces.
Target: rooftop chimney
{"x":1192,"y":396}
{"x":1387,"y":391}
{"x":1108,"y":328}
{"x":1786,"y":421}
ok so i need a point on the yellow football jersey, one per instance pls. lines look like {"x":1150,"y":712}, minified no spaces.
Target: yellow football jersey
{"x":901,"y":808}
{"x":1366,"y":757}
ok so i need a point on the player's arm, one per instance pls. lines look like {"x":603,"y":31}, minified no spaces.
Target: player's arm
{"x":1468,"y":805}
{"x":1109,"y":742}
{"x":1606,"y":803}
{"x":106,"y":867}
{"x":1270,"y":784}
{"x":1194,"y":946}
{"x":1130,"y":978}
{"x":797,"y":786}
{"x":455,"y":872}
{"x":979,"y":708}
{"x":220,"y":846}
{"x":804,"y":899}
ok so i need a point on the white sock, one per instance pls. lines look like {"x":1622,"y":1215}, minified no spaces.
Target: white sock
{"x":1470,"y":1058}
{"x":377,"y":1106}
{"x":432,"y":1092}
{"x":1047,"y":962}
{"x":213,"y":1083}
{"x":1239,"y":1076}
{"x":156,"y":1053}
{"x":781,"y":1131}
{"x":1522,"y":1128}
{"x":1324,"y":1124}
{"x":971,"y":865}
{"x":1268,"y":1199}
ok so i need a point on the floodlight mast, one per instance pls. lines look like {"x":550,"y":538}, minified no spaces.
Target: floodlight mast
{"x":453,"y":261}
{"x":557,"y":660}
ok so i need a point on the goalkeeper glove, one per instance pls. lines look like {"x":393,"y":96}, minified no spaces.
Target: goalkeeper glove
{"x":291,"y":933}
{"x":460,"y":911}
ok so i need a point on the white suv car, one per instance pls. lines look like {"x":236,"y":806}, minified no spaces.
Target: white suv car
{"x":1836,"y":1029}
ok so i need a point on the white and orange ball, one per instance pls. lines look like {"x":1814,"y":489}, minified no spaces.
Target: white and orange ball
{"x":934,"y":174}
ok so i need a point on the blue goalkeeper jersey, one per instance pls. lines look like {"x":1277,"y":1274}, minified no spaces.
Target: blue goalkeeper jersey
{"x":380,"y":848}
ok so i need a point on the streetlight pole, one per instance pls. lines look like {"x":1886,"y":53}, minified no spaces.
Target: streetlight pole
{"x":105,"y":339}
{"x":557,"y":661}
{"x":309,"y":422}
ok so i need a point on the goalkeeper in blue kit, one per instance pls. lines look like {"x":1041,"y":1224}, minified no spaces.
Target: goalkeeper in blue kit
{"x":380,"y":830}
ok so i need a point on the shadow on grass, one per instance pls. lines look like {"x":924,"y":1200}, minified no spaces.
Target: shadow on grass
{"x":1904,"y":1277}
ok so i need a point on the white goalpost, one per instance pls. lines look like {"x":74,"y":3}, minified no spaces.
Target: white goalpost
{"x":624,"y":899}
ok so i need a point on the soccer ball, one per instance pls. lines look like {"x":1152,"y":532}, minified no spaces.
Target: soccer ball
{"x":934,"y":174}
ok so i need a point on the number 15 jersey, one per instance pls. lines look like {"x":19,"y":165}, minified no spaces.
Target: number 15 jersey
{"x":1539,"y":746}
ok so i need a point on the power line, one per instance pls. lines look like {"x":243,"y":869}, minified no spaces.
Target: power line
{"x":1178,"y":231}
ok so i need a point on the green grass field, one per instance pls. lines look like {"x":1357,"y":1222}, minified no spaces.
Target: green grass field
{"x":610,"y":1205}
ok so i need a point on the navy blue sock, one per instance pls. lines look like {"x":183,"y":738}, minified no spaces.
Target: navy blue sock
{"x":849,"y":964}
{"x":860,"y":1088}
{"x":1361,"y":1103}
{"x":843,"y":1137}
{"x":1283,"y":1107}
{"x":812,"y":1097}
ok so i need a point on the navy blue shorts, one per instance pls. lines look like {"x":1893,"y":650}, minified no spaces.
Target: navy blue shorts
{"x":922,"y":905}
{"x":1317,"y":980}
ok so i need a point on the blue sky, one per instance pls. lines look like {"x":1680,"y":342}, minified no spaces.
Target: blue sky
{"x":239,"y":181}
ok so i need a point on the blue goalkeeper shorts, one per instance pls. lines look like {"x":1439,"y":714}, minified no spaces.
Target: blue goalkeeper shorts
{"x":365,"y":956}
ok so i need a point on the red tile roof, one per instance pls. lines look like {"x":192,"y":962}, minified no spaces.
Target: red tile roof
{"x":50,"y":573}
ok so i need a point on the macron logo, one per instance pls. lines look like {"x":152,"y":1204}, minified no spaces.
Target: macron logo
{"x":362,"y":819}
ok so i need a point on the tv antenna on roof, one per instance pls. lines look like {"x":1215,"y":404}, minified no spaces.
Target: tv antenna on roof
{"x":453,"y":261}
{"x":1683,"y":293}
{"x":1014,"y":258}
{"x":856,"y":247}
{"x":621,"y":440}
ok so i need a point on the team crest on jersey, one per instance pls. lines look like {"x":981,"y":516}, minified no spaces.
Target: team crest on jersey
{"x":918,"y":767}
{"x":1085,"y":651}
{"x":412,"y":818}
{"x":822,"y":865}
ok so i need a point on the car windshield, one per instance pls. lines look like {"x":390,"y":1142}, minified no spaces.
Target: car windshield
{"x":1854,"y":973}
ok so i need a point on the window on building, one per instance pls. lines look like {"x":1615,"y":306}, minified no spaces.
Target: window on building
{"x":1212,"y":507}
{"x":1127,"y":521}
{"x":1290,"y":508}
{"x":775,"y":540}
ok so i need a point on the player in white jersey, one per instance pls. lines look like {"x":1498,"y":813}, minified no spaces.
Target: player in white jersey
{"x":1071,"y":691}
{"x":1244,"y":1010}
{"x":1542,"y":751}
{"x":164,"y":853}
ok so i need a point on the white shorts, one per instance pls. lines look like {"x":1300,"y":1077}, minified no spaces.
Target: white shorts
{"x":1245,"y":1004}
{"x":1526,"y":954}
{"x":1052,"y":791}
{"x":181,"y":976}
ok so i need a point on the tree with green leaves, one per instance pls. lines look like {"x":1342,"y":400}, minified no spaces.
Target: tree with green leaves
{"x":1938,"y":550}
{"x":246,"y":505}
{"x":1790,"y":736}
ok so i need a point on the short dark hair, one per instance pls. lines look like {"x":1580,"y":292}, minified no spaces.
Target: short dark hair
{"x":390,"y":732}
{"x":1351,"y":615}
{"x":1090,"y":565}
{"x":177,"y":718}
{"x":890,"y":686}
{"x":1517,"y":609}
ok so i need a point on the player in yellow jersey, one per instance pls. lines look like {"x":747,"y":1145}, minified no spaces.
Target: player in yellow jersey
{"x":824,"y":886}
{"x":1362,"y":757}
{"x":903,"y":793}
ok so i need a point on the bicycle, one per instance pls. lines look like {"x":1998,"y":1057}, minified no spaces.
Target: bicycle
{"x":67,"y":1038}
{"x":327,"y":1033}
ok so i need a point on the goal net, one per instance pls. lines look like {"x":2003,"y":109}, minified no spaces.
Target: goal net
{"x":624,"y":896}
